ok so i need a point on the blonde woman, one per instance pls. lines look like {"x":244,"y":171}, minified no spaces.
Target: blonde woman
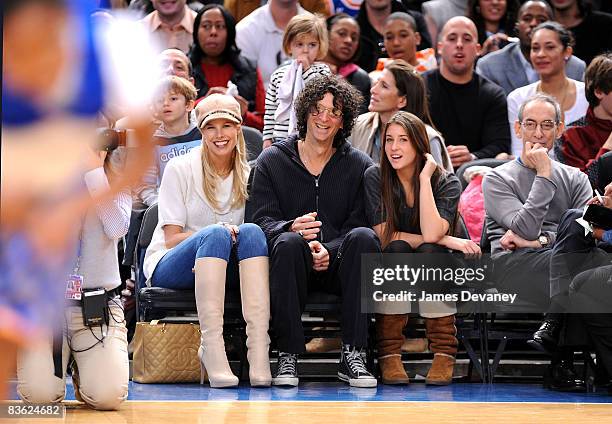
{"x":201,"y":240}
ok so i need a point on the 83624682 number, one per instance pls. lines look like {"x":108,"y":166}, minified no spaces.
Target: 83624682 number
{"x":22,"y":410}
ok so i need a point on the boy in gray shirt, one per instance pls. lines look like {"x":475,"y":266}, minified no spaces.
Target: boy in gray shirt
{"x":524,"y":201}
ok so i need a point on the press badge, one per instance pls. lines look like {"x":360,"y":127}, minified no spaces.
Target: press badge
{"x":74,"y":287}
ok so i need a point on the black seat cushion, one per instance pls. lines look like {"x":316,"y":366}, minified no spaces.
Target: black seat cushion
{"x":181,"y":300}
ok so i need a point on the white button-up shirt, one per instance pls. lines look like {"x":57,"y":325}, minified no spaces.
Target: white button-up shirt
{"x":261,"y":41}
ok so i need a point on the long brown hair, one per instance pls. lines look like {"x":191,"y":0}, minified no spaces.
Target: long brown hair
{"x":392,"y":191}
{"x":410,"y":84}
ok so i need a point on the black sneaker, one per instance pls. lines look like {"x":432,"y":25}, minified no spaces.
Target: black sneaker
{"x":286,"y":374}
{"x":352,"y":368}
{"x":562,"y":377}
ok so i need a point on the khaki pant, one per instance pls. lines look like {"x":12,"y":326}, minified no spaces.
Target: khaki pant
{"x":103,"y":371}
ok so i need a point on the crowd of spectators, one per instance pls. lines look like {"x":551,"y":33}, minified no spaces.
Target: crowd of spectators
{"x":356,"y":161}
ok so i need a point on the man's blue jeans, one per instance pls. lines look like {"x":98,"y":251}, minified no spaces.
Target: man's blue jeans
{"x":175,"y":269}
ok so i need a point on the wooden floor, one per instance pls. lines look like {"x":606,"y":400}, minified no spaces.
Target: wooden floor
{"x":333,"y":412}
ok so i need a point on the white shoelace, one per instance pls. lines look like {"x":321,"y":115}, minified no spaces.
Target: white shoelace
{"x":355,"y":362}
{"x":287,"y":364}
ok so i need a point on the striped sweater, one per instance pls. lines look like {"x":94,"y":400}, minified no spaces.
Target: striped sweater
{"x":272,"y":129}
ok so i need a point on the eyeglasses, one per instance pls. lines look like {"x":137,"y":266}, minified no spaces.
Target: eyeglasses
{"x":208,"y":27}
{"x":531,"y":125}
{"x":334,"y":112}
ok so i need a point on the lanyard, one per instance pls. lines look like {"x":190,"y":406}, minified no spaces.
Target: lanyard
{"x":77,"y":263}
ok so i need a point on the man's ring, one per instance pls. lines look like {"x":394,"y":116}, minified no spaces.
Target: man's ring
{"x":301,"y":233}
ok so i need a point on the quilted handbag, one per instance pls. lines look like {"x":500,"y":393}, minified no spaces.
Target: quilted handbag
{"x":166,"y":352}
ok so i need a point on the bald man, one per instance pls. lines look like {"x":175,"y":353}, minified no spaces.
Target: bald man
{"x":469,"y":110}
{"x":175,"y":62}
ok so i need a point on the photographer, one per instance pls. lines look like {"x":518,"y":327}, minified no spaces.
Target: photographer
{"x":94,"y":332}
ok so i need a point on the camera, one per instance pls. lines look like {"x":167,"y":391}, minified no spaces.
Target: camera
{"x":109,"y":139}
{"x":599,"y":216}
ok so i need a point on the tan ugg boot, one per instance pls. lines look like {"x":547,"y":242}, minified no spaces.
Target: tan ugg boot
{"x":389,"y":339}
{"x":418,"y":345}
{"x":210,"y":300}
{"x":323,"y":344}
{"x":255,"y":294}
{"x":441,"y":333}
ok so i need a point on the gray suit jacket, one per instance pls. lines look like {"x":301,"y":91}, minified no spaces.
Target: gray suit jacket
{"x":505,"y":69}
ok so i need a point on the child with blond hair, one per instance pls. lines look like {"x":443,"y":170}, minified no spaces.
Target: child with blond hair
{"x":305,"y":41}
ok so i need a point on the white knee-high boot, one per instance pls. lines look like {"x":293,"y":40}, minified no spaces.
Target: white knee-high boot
{"x":210,"y":298}
{"x":255,"y":294}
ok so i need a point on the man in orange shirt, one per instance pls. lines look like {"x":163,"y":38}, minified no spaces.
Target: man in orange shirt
{"x":171,"y":23}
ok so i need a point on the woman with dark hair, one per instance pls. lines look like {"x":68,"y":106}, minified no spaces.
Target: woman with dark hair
{"x":344,"y":50}
{"x":495,"y":21}
{"x":411,"y":204}
{"x":399,"y":87}
{"x":551,"y":48}
{"x":218,"y":66}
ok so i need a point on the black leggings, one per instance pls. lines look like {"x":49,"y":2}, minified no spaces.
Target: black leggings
{"x":400,"y":246}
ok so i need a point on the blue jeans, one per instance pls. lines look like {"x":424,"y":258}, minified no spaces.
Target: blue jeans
{"x":175,"y":269}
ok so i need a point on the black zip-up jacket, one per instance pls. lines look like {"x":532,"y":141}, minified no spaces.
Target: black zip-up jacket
{"x":282,"y":189}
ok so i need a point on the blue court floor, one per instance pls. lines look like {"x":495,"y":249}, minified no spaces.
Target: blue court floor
{"x":337,"y":391}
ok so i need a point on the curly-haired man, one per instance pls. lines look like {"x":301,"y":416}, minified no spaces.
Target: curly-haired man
{"x":307,"y":195}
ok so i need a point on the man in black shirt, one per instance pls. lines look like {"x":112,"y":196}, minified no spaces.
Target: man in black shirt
{"x":591,"y":29}
{"x":469,"y":110}
{"x":371,"y":18}
{"x":307,"y":195}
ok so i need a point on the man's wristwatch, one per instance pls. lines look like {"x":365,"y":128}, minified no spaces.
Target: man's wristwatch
{"x":544,"y":240}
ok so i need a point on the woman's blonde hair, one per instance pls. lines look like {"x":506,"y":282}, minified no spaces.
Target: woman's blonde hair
{"x":306,"y":24}
{"x":240,"y":167}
